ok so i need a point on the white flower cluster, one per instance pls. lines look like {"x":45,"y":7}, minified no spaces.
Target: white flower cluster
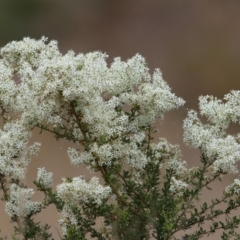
{"x":51,"y":83}
{"x":20,"y":203}
{"x":79,"y":191}
{"x":128,"y":153}
{"x":44,"y":177}
{"x":67,"y":217}
{"x":177,"y":186}
{"x":15,"y":155}
{"x":179,"y":167}
{"x":212,"y":138}
{"x":163,"y":149}
{"x":234,"y":187}
{"x":105,"y":108}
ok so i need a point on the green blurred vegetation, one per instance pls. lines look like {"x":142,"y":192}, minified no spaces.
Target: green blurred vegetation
{"x":17,"y":18}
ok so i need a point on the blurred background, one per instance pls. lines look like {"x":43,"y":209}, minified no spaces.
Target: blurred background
{"x":194,"y":43}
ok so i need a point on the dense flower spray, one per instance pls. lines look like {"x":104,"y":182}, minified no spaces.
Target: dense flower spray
{"x":147,"y":192}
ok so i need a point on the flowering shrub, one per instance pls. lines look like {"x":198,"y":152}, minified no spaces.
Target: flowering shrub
{"x":148,"y":191}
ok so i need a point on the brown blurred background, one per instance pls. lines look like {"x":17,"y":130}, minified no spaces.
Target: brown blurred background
{"x":195,"y":43}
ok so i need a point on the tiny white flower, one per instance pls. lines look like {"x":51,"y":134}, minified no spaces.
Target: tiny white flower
{"x":234,"y":187}
{"x":78,"y":190}
{"x":177,"y":186}
{"x":20,"y":203}
{"x":44,"y":177}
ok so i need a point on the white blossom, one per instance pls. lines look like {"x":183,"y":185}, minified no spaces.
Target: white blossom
{"x":222,"y":149}
{"x":234,"y":187}
{"x":233,"y":102}
{"x":107,"y":109}
{"x":20,"y":203}
{"x":76,"y":158}
{"x":164,"y":150}
{"x":227,"y":153}
{"x":15,"y":154}
{"x":177,"y":186}
{"x":67,"y":217}
{"x":216,"y":111}
{"x":50,"y":80}
{"x":79,"y":191}
{"x":50,"y":83}
{"x":44,"y":177}
{"x":179,"y":167}
{"x":196,"y":134}
{"x":128,"y":153}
